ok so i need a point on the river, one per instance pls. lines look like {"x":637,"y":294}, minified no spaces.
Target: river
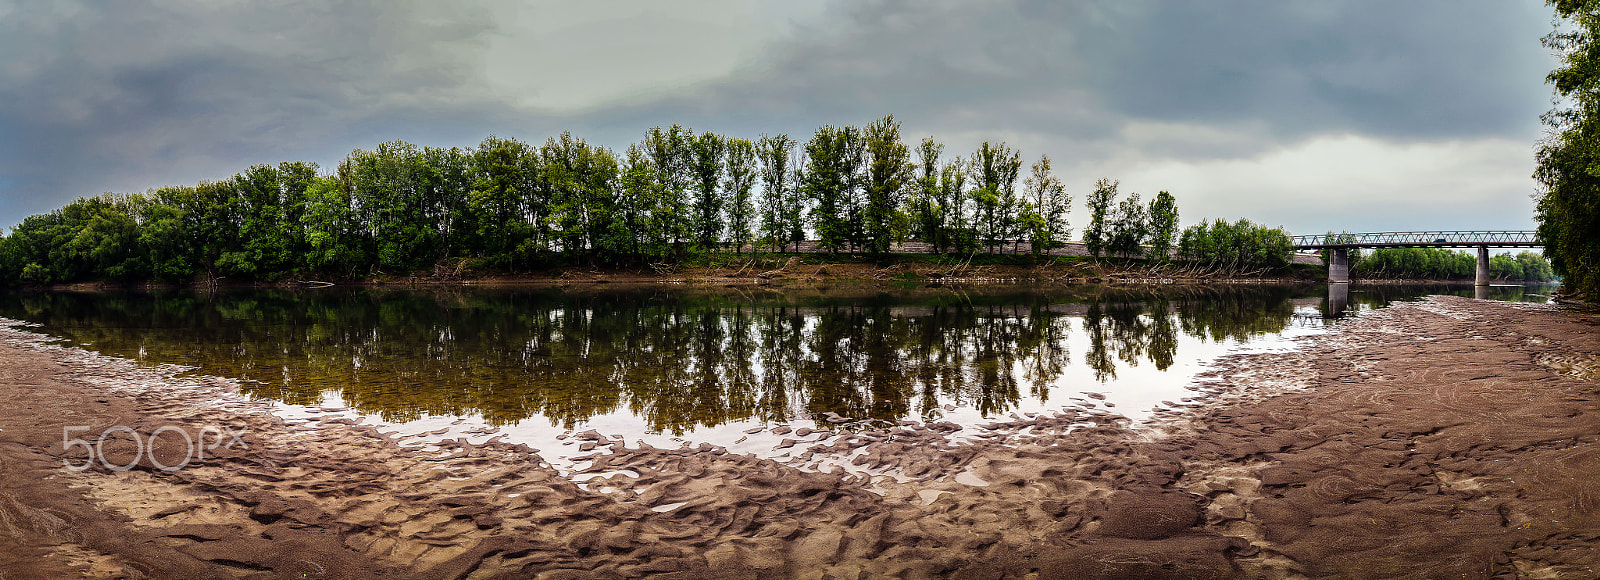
{"x":679,"y":364}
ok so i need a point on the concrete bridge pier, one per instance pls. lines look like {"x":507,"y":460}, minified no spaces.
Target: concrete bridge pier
{"x":1339,"y":266}
{"x":1483,"y":266}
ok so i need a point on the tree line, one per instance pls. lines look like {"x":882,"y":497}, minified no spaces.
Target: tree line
{"x":514,"y":205}
{"x":511,"y":205}
{"x":1442,"y":264}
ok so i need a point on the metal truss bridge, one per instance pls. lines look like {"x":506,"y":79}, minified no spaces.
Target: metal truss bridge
{"x":1437,"y":239}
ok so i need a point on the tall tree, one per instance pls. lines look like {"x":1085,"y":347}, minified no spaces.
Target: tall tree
{"x":833,"y":157}
{"x":165,"y":240}
{"x":708,"y":150}
{"x":953,"y":197}
{"x":1050,"y":204}
{"x":888,"y":169}
{"x":995,"y":167}
{"x":266,"y":245}
{"x":1568,"y":172}
{"x":927,"y":215}
{"x":796,"y":204}
{"x":1098,"y":235}
{"x":447,"y":198}
{"x":582,"y":196}
{"x":509,"y":211}
{"x":741,"y":179}
{"x":635,"y":199}
{"x":1163,"y":229}
{"x":333,"y":231}
{"x":777,"y":177}
{"x":671,"y":156}
{"x":1130,"y":227}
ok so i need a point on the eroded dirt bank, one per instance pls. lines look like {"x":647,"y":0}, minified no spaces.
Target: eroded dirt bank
{"x":1451,"y":438}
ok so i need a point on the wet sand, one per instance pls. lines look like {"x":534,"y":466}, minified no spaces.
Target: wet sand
{"x":1449,"y":438}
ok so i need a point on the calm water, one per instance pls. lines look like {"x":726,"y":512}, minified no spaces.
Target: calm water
{"x":698,"y":362}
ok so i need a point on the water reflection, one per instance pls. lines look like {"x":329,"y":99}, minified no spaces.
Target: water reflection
{"x":678,"y":358}
{"x":1338,"y":300}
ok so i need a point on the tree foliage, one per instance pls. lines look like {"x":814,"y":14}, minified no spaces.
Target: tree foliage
{"x":833,"y":159}
{"x":1443,"y":264}
{"x":707,"y":165}
{"x":1568,"y":170}
{"x":1048,"y":203}
{"x":1241,"y":247}
{"x":1098,"y":235}
{"x":927,"y":209}
{"x":782,"y":208}
{"x":888,"y":169}
{"x":1163,"y":228}
{"x":1130,"y":227}
{"x":994,"y":171}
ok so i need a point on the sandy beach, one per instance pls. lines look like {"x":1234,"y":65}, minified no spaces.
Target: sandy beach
{"x":1449,"y":438}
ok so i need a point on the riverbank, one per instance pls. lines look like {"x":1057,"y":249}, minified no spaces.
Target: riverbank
{"x":1067,"y":266}
{"x":1444,"y":438}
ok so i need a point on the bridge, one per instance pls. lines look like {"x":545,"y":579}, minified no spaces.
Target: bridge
{"x":1340,"y":245}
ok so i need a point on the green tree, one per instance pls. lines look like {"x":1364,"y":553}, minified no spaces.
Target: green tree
{"x":1505,"y":267}
{"x":635,"y":200}
{"x":671,"y":156}
{"x":509,"y":200}
{"x":1535,"y":267}
{"x":333,"y":233}
{"x":1049,"y":204}
{"x":216,"y":216}
{"x":11,"y":264}
{"x":294,"y":178}
{"x":741,"y":179}
{"x":833,"y":157}
{"x":581,"y":180}
{"x":1237,"y":248}
{"x":995,"y":169}
{"x":92,"y":238}
{"x":1353,"y":256}
{"x":1568,"y":171}
{"x":927,"y":213}
{"x":1415,"y":263}
{"x":953,"y":196}
{"x":709,"y":149}
{"x":392,"y":186}
{"x":164,"y":237}
{"x":888,"y":169}
{"x":1098,"y":235}
{"x":1130,"y":227}
{"x":782,"y":211}
{"x":1163,"y":226}
{"x":265,"y":243}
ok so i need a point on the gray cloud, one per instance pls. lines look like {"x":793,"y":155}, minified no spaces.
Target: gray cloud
{"x":1414,"y":70}
{"x":137,"y":93}
{"x":127,"y":96}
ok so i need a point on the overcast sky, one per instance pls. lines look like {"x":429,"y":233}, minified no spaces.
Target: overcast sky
{"x":1314,"y":115}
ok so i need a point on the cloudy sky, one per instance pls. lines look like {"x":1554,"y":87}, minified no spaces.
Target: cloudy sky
{"x":1314,"y":115}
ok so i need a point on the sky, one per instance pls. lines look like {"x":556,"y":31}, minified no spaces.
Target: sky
{"x":1359,"y":115}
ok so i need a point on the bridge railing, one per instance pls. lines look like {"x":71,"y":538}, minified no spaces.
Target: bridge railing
{"x":1440,"y":238}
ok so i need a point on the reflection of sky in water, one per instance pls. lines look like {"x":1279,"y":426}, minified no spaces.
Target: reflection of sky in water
{"x":766,"y":361}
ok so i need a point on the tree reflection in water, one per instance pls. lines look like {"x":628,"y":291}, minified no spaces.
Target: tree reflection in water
{"x":679,"y":358}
